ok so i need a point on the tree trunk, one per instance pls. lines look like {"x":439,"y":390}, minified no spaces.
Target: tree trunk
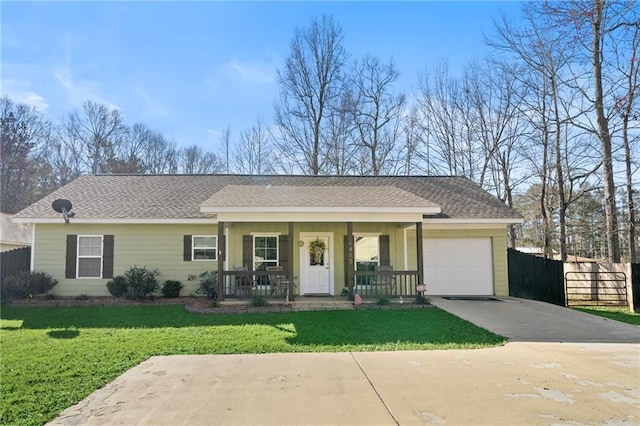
{"x":562,"y":202}
{"x":610,"y":210}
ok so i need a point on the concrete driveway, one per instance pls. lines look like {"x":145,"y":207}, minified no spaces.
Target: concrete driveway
{"x":520,"y":383}
{"x":531,"y":380}
{"x":531,"y":321}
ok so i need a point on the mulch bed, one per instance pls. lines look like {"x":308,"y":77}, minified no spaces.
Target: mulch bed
{"x":201,"y":305}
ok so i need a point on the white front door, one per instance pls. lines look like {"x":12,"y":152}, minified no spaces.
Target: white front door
{"x":316,"y":260}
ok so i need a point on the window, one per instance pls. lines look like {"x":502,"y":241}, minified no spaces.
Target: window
{"x":265,"y":252}
{"x":367,"y":255}
{"x":89,"y":256}
{"x":204,"y":247}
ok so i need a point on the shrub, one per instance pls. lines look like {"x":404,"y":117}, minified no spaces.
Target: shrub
{"x":208,"y":284}
{"x":421,"y":300}
{"x":27,"y":284}
{"x":383,"y":302}
{"x":171,"y":288}
{"x":117,"y":286}
{"x":141,"y":282}
{"x":82,"y":297}
{"x":259,"y":301}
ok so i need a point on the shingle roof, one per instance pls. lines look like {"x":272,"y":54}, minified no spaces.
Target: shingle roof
{"x":319,"y":196}
{"x":181,"y":196}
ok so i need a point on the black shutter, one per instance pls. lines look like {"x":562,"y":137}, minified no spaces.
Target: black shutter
{"x":107,"y":256}
{"x":283,"y":251}
{"x":72,"y":250}
{"x":385,"y":256}
{"x":187,"y":248}
{"x":247,"y":252}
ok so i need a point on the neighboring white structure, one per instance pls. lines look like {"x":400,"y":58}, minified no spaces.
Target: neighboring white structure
{"x":14,"y":235}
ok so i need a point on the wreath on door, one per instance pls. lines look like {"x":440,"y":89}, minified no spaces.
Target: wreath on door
{"x":317,"y":248}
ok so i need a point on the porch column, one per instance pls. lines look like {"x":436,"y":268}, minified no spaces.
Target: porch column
{"x":420,"y":249}
{"x":289,"y":271}
{"x":221,"y":258}
{"x":348,"y":256}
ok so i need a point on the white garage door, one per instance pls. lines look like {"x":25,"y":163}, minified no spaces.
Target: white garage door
{"x":458,"y":266}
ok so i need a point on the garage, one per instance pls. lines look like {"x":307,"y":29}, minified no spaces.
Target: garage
{"x":458,"y":266}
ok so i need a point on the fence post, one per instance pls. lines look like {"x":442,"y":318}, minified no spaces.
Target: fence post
{"x":635,"y":286}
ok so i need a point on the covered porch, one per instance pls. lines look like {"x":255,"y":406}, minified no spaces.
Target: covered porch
{"x":334,"y":270}
{"x":324,"y":240}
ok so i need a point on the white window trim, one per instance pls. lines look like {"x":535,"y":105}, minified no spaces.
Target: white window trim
{"x":365,"y":234}
{"x":194,"y":248}
{"x":276,"y":235}
{"x":101,"y":257}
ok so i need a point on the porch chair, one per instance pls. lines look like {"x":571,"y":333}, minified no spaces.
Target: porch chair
{"x":280,"y":282}
{"x":244,"y":285}
{"x":385,"y":281}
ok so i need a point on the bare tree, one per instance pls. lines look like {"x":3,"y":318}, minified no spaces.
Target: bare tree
{"x":339,"y":147}
{"x":310,"y":88}
{"x":194,"y":160}
{"x":226,"y":146}
{"x":547,"y":54}
{"x":24,"y":134}
{"x":253,"y":155}
{"x":376,"y":112}
{"x":628,"y":64}
{"x":410,"y":155}
{"x":160,"y":155}
{"x":446,"y":111}
{"x":592,"y":26}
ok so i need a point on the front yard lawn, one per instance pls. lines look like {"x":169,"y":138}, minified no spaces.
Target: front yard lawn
{"x":54,"y":357}
{"x":618,"y":314}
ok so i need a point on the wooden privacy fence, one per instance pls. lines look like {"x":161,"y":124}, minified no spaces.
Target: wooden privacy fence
{"x":536,"y":278}
{"x":596,"y":284}
{"x":14,"y":261}
{"x":573,"y":284}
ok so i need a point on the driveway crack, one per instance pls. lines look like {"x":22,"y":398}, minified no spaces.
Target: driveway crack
{"x":386,"y":406}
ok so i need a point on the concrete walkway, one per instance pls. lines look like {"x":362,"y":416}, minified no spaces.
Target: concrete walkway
{"x":520,"y":383}
{"x":531,"y":321}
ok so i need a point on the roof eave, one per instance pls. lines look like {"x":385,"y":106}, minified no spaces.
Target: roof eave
{"x":321,"y":209}
{"x":497,"y":221}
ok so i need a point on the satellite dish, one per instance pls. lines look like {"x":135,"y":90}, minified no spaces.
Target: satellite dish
{"x":63,"y":206}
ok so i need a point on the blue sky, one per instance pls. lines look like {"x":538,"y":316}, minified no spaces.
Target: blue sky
{"x":189,"y":69}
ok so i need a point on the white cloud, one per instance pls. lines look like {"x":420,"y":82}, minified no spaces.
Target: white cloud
{"x":254,"y":73}
{"x":79,"y":91}
{"x":214,"y":135}
{"x":251,"y":73}
{"x":20,"y":92}
{"x":150,"y":105}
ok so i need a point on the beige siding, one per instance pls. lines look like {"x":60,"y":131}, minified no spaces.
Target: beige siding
{"x":161,"y":246}
{"x":153,"y":246}
{"x":498,"y":243}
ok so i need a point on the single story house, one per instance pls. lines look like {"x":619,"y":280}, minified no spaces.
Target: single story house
{"x":13,"y":235}
{"x":277,"y":235}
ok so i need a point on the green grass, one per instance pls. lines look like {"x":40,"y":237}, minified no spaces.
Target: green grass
{"x":618,"y":314}
{"x":54,"y":357}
